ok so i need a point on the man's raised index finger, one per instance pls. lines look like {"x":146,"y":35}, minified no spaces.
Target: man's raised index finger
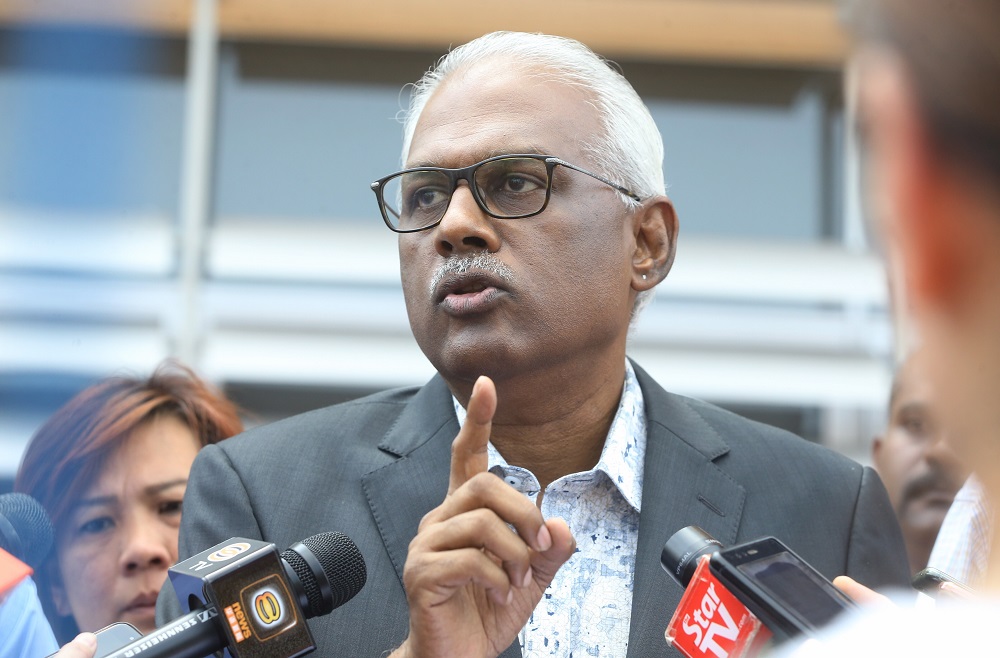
{"x":468,"y":451}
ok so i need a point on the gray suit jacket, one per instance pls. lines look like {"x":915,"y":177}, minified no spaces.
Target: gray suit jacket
{"x":371,"y":468}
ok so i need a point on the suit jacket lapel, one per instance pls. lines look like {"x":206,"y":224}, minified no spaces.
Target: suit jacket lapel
{"x":402,"y":492}
{"x":681,"y":487}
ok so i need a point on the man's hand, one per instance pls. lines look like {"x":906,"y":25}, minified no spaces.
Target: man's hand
{"x":83,"y":645}
{"x":859,"y":593}
{"x":472,"y":582}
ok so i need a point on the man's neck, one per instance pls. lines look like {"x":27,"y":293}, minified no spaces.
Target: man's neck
{"x":554,"y":428}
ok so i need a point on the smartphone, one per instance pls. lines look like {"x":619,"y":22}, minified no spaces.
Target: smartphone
{"x":114,"y":637}
{"x":779,"y":587}
{"x":930,"y":580}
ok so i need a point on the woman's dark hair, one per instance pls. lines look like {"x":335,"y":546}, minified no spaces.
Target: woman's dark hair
{"x":951,"y":49}
{"x":67,"y":454}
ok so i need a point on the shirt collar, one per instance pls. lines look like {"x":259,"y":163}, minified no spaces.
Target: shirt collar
{"x":624,"y":450}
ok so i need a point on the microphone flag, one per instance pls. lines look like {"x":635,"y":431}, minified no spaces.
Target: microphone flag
{"x":710,"y":622}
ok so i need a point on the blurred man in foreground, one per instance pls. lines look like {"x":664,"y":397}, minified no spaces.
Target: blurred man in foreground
{"x":915,"y":461}
{"x":927,"y":82}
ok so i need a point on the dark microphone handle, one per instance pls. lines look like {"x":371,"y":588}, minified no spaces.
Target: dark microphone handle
{"x":195,"y":635}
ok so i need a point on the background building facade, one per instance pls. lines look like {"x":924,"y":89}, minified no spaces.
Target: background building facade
{"x":183,"y":179}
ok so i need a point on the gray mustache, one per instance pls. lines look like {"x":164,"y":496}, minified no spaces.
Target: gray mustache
{"x":484,"y":261}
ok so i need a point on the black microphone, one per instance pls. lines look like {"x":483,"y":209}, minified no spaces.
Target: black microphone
{"x":25,"y":529}
{"x":246,"y":599}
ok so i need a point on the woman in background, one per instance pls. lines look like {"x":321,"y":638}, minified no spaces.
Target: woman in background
{"x":110,"y":467}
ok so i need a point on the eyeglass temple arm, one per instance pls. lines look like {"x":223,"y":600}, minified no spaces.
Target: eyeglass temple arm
{"x":624,"y":190}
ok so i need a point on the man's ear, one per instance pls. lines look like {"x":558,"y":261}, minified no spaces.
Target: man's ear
{"x":655,"y":227}
{"x":912,"y":187}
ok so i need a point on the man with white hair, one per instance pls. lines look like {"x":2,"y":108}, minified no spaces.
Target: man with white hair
{"x":532,"y":224}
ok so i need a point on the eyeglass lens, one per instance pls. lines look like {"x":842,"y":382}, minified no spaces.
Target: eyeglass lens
{"x":507,"y":187}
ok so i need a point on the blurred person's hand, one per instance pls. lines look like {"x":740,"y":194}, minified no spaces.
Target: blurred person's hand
{"x":83,"y":645}
{"x":859,"y":593}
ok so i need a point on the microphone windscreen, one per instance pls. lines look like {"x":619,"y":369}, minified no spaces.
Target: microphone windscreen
{"x":341,"y":573}
{"x":25,"y":529}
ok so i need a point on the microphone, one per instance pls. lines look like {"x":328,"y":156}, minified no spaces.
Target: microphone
{"x":25,"y":529}
{"x":709,"y":620}
{"x":245,"y":598}
{"x":25,"y":539}
{"x":737,"y":598}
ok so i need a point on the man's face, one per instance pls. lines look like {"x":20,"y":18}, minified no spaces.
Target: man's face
{"x":914,"y":460}
{"x":552,"y":288}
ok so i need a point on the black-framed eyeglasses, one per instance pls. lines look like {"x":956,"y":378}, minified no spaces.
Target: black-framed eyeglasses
{"x":506,"y":187}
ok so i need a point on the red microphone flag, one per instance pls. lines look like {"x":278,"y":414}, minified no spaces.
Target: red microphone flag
{"x":712,"y":623}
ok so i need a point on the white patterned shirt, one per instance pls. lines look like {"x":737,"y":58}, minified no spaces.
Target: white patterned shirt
{"x":586,"y":609}
{"x":962,"y":547}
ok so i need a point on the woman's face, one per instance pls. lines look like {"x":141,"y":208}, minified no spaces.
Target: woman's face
{"x":121,"y":537}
